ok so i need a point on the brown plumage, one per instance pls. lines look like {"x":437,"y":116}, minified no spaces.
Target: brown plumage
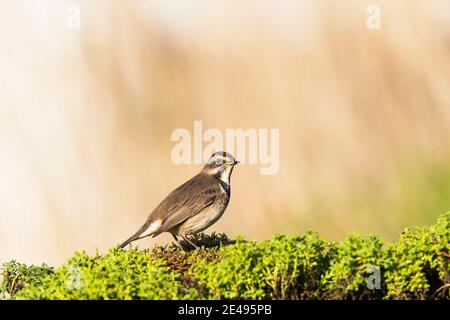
{"x":193,"y":206}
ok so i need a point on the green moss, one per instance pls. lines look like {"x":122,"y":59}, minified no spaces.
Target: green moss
{"x":281,"y":268}
{"x":418,"y":266}
{"x":16,"y":275}
{"x":301,"y":267}
{"x":351,"y":266}
{"x":118,"y":274}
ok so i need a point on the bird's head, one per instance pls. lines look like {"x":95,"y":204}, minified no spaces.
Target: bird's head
{"x":220,"y":165}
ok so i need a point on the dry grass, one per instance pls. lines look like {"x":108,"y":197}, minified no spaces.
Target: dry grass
{"x":86,"y":117}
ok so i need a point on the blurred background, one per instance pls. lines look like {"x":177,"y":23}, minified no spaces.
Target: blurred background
{"x":86,"y":116}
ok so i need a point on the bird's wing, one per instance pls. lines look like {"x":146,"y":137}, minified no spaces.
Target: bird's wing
{"x":186,"y":201}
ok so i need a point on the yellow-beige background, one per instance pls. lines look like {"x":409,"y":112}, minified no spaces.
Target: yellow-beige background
{"x":86,"y":116}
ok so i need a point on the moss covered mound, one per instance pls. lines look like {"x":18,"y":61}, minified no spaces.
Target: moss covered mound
{"x":300,"y":267}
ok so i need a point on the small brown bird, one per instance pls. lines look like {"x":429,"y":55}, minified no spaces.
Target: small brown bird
{"x":195,"y":205}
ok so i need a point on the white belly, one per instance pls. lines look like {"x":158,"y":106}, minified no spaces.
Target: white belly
{"x":203,"y":219}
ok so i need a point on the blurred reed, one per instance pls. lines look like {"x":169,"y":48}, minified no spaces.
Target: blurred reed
{"x":86,"y":116}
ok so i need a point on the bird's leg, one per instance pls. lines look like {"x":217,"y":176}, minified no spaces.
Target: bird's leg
{"x":178,"y":242}
{"x":185,"y":238}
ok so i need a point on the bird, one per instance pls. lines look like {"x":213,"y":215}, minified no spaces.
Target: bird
{"x":195,"y":205}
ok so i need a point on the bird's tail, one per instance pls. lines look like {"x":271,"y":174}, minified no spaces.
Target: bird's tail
{"x":136,"y":236}
{"x":129,"y":240}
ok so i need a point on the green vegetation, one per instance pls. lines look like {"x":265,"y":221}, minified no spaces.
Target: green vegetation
{"x":301,"y":267}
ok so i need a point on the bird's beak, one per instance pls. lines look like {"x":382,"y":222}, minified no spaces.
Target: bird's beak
{"x":236,"y":162}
